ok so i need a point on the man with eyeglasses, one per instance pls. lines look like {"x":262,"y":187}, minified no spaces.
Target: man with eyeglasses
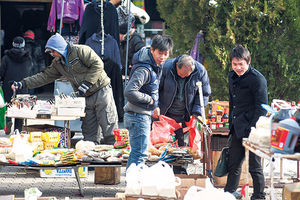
{"x":85,"y":71}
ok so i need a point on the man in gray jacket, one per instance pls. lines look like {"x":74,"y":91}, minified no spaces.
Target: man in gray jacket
{"x":142,"y":94}
{"x":85,"y":71}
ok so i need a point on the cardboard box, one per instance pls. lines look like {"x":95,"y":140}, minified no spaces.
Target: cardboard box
{"x":70,"y":102}
{"x":189,"y":180}
{"x":291,"y":191}
{"x":107,"y":175}
{"x":63,"y":172}
{"x":221,"y":181}
{"x":215,"y":104}
{"x":66,"y":111}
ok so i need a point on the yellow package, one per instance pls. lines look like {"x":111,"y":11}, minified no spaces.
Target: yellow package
{"x":35,"y":137}
{"x":38,"y":146}
{"x":50,"y":145}
{"x":51,"y":136}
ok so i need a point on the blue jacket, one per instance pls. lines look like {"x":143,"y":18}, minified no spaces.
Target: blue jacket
{"x":143,"y":82}
{"x":168,"y":88}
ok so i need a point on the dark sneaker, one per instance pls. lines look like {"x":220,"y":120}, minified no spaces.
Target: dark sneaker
{"x":237,"y":195}
{"x":8,"y":128}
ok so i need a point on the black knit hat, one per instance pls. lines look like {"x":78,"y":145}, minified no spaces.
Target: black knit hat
{"x":123,"y":28}
{"x":18,"y":42}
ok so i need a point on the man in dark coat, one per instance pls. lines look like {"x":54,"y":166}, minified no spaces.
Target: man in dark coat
{"x":179,"y":94}
{"x":135,"y":44}
{"x":247,"y":91}
{"x":16,"y":64}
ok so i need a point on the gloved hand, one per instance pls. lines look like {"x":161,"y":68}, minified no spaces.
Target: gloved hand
{"x":16,"y":85}
{"x":83,"y":88}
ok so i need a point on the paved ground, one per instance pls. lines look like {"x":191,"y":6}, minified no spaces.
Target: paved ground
{"x":15,"y":181}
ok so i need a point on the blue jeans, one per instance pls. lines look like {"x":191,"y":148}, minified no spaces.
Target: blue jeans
{"x":138,"y":126}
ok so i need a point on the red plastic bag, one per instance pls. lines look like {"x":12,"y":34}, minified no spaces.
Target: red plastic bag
{"x":194,"y":133}
{"x":163,"y":130}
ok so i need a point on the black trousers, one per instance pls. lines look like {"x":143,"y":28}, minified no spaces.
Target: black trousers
{"x":236,"y":158}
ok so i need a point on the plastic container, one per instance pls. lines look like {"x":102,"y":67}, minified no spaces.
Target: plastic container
{"x":284,"y":139}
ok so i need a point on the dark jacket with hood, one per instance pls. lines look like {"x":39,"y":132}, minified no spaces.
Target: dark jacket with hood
{"x":15,"y":65}
{"x":79,"y":64}
{"x":246,"y":94}
{"x":168,"y":88}
{"x":135,"y":44}
{"x":143,"y":83}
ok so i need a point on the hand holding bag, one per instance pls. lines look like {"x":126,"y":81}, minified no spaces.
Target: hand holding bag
{"x":222,"y":165}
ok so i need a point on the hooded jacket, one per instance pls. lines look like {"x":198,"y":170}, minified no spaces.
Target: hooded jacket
{"x":15,"y":65}
{"x":143,"y":83}
{"x":79,"y":63}
{"x":168,"y":88}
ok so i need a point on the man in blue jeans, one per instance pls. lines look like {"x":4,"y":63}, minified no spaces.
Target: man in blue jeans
{"x":142,"y":94}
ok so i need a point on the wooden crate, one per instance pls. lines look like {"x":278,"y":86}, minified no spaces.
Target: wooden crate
{"x":107,"y":175}
{"x":221,"y":181}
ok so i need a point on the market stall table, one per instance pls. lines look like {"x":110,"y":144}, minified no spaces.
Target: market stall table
{"x":266,"y":154}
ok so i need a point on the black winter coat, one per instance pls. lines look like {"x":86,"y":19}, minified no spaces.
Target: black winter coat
{"x":15,"y":65}
{"x":135,"y":44}
{"x":246,"y":94}
{"x":91,"y":21}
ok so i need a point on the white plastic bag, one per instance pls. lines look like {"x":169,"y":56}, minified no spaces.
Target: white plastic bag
{"x":134,"y":179}
{"x":209,"y":192}
{"x":21,"y":150}
{"x":166,"y":181}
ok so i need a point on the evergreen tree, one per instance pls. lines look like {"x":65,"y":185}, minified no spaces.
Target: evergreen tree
{"x":270,"y":29}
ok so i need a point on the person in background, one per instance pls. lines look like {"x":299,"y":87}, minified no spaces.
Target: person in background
{"x":179,"y":94}
{"x":35,"y":51}
{"x":85,"y":71}
{"x":142,"y":94}
{"x":16,"y":64}
{"x":135,"y":44}
{"x":247,"y":91}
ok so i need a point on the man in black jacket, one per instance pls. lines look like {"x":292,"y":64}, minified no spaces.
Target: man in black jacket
{"x":247,"y":91}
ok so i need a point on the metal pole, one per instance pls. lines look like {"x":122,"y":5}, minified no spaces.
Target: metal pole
{"x":61,"y":16}
{"x":127,"y":40}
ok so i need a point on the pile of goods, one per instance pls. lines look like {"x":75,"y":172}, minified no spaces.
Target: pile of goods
{"x":280,"y":129}
{"x":165,"y":145}
{"x":26,"y":106}
{"x":217,"y":118}
{"x":46,"y":148}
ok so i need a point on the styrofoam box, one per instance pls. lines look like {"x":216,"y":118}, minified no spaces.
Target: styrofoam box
{"x":69,"y":102}
{"x":66,"y":111}
{"x":67,"y":172}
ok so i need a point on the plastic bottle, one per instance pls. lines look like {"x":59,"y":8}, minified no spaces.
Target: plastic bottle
{"x":225,"y":118}
{"x":284,"y":139}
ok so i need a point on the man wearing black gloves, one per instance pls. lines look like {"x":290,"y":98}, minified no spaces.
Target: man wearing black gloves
{"x":85,"y":70}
